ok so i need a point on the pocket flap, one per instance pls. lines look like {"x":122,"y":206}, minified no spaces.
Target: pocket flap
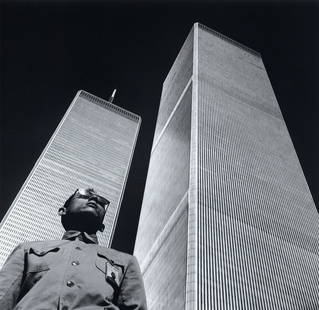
{"x":43,"y":257}
{"x":42,"y":252}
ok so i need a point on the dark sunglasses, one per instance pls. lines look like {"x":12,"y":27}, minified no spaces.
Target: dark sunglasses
{"x":88,"y":193}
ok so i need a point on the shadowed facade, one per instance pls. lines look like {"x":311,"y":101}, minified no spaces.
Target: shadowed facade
{"x":227,"y":220}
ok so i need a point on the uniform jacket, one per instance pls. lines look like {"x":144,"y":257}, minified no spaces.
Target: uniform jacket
{"x":72,"y":273}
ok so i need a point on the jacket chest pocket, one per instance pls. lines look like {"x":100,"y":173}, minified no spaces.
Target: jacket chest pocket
{"x":41,"y":259}
{"x":113,"y":272}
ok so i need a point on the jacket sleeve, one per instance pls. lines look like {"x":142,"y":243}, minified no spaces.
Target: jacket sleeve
{"x":10,"y":278}
{"x":132,"y":293}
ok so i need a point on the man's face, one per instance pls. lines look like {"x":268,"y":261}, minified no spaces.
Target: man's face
{"x":88,"y":203}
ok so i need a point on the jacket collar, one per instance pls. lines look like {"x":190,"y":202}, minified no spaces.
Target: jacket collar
{"x":82,"y":236}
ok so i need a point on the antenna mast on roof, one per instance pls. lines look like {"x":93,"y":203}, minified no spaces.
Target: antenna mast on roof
{"x":112,"y":96}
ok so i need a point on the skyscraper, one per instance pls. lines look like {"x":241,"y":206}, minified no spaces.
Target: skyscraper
{"x":227,"y":219}
{"x":92,"y":147}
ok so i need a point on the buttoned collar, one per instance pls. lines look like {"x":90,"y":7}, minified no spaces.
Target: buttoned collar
{"x":82,"y":236}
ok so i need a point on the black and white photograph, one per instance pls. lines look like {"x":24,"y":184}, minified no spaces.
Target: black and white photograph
{"x":159,"y":154}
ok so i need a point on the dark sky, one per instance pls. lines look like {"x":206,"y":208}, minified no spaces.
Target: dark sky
{"x":49,"y":50}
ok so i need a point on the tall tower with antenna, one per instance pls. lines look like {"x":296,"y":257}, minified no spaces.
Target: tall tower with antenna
{"x":92,"y":147}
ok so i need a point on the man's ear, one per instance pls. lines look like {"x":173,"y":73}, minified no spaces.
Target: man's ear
{"x":62,"y":211}
{"x":102,"y":227}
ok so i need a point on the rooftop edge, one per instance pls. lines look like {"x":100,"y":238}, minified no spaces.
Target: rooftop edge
{"x":114,"y":108}
{"x":223,"y":37}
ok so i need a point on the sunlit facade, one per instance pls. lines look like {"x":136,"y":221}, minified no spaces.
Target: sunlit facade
{"x":227,"y":221}
{"x":92,"y":147}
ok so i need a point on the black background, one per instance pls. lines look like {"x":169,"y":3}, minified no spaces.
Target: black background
{"x":49,"y":50}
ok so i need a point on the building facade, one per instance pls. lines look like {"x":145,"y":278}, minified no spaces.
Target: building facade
{"x":227,"y":221}
{"x":92,"y":147}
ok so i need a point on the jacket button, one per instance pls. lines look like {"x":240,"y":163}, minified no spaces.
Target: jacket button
{"x":78,"y":248}
{"x":75,"y":263}
{"x":70,"y":283}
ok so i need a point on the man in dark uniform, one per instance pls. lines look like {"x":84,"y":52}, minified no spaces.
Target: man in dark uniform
{"x":75,"y":272}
